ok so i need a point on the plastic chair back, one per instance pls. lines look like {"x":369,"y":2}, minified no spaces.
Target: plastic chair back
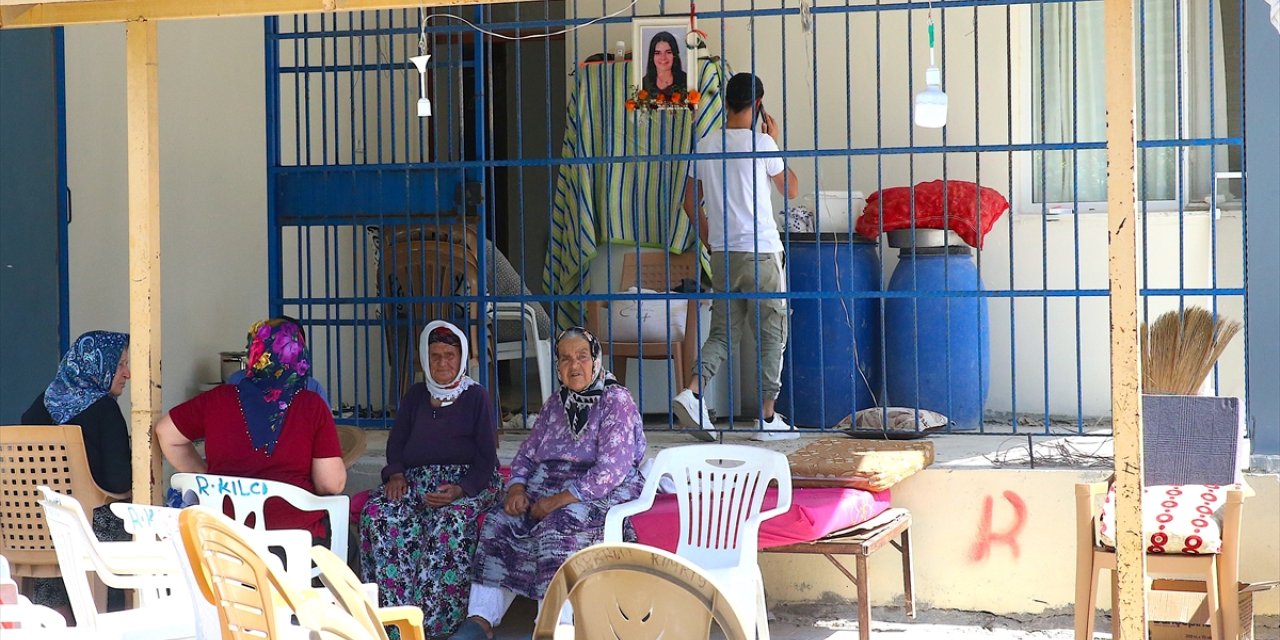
{"x":245,"y":585}
{"x":150,"y":568}
{"x":632,"y":592}
{"x":720,"y":492}
{"x":247,"y":497}
{"x":354,"y":597}
{"x":36,"y":456}
{"x":160,"y":524}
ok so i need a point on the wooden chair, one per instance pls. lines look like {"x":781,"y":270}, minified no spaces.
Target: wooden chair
{"x":650,"y":271}
{"x":245,"y":586}
{"x":352,"y":596}
{"x":1218,"y":571}
{"x":633,"y":592}
{"x":35,"y":456}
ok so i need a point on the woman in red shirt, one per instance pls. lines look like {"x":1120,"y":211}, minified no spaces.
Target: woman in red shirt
{"x":267,"y":426}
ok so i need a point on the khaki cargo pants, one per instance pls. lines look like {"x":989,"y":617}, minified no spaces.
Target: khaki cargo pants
{"x":732,"y":317}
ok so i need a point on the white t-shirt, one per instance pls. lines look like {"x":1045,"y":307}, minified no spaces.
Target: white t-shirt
{"x":741,"y":187}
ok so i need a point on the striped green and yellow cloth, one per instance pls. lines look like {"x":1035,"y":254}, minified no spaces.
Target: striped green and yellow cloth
{"x":600,"y":201}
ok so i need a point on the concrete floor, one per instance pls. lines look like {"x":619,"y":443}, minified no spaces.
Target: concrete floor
{"x":823,"y":621}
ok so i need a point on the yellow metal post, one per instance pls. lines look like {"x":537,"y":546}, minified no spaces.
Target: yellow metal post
{"x":142,"y":105}
{"x":1126,"y":378}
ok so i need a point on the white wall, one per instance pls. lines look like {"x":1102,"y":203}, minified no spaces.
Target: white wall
{"x":212,"y":189}
{"x":1030,"y":569}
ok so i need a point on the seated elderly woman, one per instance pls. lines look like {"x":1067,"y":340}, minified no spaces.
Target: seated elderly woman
{"x":418,"y":532}
{"x":266,"y":426}
{"x":581,"y":458}
{"x":90,"y":378}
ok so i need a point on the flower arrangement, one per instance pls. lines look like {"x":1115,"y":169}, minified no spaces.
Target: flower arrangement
{"x":642,"y":99}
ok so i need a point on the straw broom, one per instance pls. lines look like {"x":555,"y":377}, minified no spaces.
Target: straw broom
{"x":1180,"y":349}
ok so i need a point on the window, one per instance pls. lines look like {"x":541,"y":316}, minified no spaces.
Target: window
{"x":1065,"y":62}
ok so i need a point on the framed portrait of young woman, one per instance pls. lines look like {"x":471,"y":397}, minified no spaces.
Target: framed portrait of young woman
{"x":661,"y":62}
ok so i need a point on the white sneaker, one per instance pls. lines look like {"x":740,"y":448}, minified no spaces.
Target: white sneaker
{"x":775,"y":429}
{"x":686,"y":407}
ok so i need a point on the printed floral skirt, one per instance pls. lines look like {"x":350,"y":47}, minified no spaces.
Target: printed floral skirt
{"x":521,"y":554}
{"x":420,"y":555}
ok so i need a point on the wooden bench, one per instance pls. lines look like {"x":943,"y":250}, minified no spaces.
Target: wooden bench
{"x":860,"y":541}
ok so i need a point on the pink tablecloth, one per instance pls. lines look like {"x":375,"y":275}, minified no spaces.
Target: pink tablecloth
{"x":814,"y":513}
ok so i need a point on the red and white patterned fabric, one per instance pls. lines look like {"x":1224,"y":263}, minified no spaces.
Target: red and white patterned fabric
{"x":1175,"y":518}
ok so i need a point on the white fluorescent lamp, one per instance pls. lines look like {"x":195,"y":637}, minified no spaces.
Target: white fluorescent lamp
{"x":424,"y":105}
{"x":931,"y":104}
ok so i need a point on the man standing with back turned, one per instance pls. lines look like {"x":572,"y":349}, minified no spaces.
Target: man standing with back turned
{"x":746,"y":251}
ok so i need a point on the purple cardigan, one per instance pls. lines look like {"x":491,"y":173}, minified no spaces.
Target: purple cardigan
{"x":613,"y":443}
{"x":462,"y":433}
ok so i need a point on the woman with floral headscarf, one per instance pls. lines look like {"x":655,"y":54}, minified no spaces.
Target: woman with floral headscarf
{"x":418,"y":532}
{"x":266,"y":426}
{"x":581,"y":458}
{"x":90,"y":377}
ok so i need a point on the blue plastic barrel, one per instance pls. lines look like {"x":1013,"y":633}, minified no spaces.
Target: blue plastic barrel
{"x":937,"y":345}
{"x":822,"y":380}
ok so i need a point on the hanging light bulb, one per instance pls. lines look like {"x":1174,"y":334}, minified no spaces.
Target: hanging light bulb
{"x":424,"y":104}
{"x":931,"y":104}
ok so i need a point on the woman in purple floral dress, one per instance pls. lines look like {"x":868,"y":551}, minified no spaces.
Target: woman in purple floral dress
{"x":581,"y":458}
{"x":418,"y":531}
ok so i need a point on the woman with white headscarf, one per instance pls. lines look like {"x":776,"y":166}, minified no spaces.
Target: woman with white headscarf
{"x":418,"y":531}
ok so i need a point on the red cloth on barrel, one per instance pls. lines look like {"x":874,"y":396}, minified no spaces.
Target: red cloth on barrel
{"x":814,"y":513}
{"x":965,"y":213}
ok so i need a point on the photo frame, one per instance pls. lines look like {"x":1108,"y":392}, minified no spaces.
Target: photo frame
{"x":684,"y":61}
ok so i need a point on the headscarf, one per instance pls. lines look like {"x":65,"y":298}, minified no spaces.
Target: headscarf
{"x":439,"y":331}
{"x":577,"y":404}
{"x":277,"y":370}
{"x":85,"y":374}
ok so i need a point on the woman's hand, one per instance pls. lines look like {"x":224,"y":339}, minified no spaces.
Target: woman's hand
{"x":446,"y":494}
{"x":517,"y":502}
{"x":545,"y":506}
{"x":395,"y":487}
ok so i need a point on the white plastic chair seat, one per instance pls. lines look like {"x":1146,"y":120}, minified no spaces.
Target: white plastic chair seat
{"x":166,"y":620}
{"x":720,"y":491}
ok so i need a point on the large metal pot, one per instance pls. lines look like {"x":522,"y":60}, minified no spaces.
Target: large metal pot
{"x":233,"y":361}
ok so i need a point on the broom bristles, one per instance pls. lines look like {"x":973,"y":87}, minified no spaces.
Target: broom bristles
{"x":1179,"y":350}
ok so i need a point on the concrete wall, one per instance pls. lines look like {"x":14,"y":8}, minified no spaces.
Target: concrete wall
{"x":1033,"y":571}
{"x":212,"y":189}
{"x":1262,"y":141}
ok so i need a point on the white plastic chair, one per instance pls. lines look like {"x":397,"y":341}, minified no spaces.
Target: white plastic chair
{"x":148,"y":567}
{"x":148,"y":522}
{"x":247,"y":497}
{"x":18,"y":616}
{"x":533,"y":345}
{"x":720,"y":492}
